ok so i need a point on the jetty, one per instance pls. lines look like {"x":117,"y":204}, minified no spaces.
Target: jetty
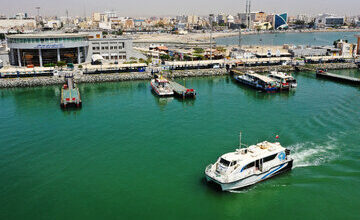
{"x":181,"y":91}
{"x":236,"y":71}
{"x":178,"y":89}
{"x":338,"y":78}
{"x":70,"y":95}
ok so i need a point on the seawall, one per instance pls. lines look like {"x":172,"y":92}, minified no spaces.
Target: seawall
{"x":118,"y":77}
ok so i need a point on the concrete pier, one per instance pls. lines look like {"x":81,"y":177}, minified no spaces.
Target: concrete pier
{"x":338,"y":78}
{"x":181,"y":91}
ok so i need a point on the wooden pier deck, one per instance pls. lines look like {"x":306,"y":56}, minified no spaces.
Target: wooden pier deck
{"x":339,"y":78}
{"x":181,"y":91}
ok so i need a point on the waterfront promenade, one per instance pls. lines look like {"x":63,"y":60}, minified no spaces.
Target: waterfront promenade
{"x":185,"y":73}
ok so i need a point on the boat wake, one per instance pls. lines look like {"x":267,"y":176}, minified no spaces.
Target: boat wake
{"x":312,"y":154}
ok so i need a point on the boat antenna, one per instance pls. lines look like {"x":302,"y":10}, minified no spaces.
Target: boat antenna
{"x":241,"y":144}
{"x":240,"y":139}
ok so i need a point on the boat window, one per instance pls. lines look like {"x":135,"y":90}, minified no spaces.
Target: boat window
{"x":233,"y":163}
{"x":269,"y":158}
{"x":224,"y":162}
{"x":248,"y":166}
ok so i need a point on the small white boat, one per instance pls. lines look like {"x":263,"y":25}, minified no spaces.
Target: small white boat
{"x":161,"y":87}
{"x":287,"y":81}
{"x":248,"y":166}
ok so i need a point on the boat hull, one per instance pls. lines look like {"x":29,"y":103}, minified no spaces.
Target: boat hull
{"x":160,"y":93}
{"x":254,"y":85}
{"x":255,"y":178}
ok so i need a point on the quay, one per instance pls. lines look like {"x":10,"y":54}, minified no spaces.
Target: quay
{"x":338,"y":78}
{"x":70,"y":95}
{"x":181,"y":91}
{"x":87,"y":69}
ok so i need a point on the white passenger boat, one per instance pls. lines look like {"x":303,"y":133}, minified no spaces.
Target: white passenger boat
{"x":161,"y":87}
{"x":248,"y":166}
{"x":258,"y":81}
{"x":287,"y":81}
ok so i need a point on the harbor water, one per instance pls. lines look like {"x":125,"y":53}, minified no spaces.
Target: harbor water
{"x":277,"y":39}
{"x":128,"y":154}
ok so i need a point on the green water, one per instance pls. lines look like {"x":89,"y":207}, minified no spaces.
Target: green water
{"x":130,"y":155}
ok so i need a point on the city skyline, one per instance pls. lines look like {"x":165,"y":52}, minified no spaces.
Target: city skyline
{"x":186,"y":7}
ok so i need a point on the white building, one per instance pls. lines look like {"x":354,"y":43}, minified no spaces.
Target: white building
{"x":25,"y":24}
{"x":53,"y":24}
{"x":328,"y":20}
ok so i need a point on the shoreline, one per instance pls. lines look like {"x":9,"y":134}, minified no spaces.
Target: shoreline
{"x":286,"y":32}
{"x":203,"y":37}
{"x":121,"y":77}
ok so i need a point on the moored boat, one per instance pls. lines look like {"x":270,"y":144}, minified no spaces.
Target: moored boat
{"x":286,"y":81}
{"x":70,"y":95}
{"x":161,"y":87}
{"x":258,"y":81}
{"x":248,"y":166}
{"x":321,"y":71}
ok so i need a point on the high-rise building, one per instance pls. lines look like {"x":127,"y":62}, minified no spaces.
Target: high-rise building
{"x":280,"y":21}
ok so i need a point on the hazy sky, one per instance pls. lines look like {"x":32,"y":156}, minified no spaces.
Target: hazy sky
{"x":171,"y":7}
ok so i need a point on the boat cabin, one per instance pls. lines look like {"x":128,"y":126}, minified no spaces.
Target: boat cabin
{"x":283,"y":78}
{"x":255,"y":158}
{"x":161,"y":82}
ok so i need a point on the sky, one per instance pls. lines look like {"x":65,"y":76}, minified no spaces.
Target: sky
{"x":179,"y":7}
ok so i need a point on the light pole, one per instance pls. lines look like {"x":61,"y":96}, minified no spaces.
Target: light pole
{"x":211,"y":27}
{"x":38,"y":13}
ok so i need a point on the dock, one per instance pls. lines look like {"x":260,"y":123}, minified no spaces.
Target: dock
{"x":70,"y":95}
{"x":236,"y":71}
{"x":181,"y":91}
{"x":339,"y":78}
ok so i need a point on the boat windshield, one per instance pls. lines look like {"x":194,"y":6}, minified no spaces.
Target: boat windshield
{"x":224,"y":162}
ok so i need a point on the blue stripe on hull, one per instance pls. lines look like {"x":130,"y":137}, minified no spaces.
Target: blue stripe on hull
{"x":274,"y":171}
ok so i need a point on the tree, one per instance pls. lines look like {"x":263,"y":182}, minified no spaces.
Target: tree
{"x":198,"y":50}
{"x":61,"y":63}
{"x":164,"y":57}
{"x":118,"y":32}
{"x":221,"y":49}
{"x":148,"y":61}
{"x":299,"y":22}
{"x":243,"y":26}
{"x":311,"y":24}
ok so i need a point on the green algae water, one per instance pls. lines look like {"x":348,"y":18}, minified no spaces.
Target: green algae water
{"x":130,"y":155}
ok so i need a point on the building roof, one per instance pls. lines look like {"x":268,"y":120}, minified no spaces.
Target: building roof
{"x":263,"y":78}
{"x":110,"y":39}
{"x":46,"y":35}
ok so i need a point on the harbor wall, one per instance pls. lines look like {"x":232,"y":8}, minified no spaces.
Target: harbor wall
{"x":118,"y":77}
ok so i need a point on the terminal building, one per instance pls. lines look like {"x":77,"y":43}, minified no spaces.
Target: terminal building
{"x":112,"y":49}
{"x":47,"y":49}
